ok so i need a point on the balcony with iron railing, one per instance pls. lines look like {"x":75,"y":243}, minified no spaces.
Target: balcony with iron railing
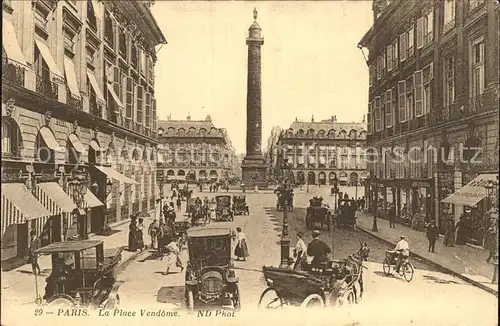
{"x":13,"y":73}
{"x":95,"y":109}
{"x":46,"y":87}
{"x":72,"y":101}
{"x":475,"y":104}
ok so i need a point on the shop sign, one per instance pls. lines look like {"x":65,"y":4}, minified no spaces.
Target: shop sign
{"x":445,"y":179}
{"x":420,"y":184}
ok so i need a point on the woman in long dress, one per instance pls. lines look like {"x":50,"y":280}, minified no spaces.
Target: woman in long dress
{"x":173,"y":256}
{"x":140,"y":234}
{"x":241,"y":250}
{"x":132,"y":235}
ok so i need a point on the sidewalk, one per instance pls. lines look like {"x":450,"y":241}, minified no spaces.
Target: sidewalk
{"x":464,"y":262}
{"x":18,"y":285}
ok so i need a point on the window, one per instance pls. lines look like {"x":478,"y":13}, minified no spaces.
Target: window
{"x":371,"y":75}
{"x":403,"y":39}
{"x":154,"y":113}
{"x":369,"y":118}
{"x":388,"y":109}
{"x":148,"y":110}
{"x":477,"y":67}
{"x":134,"y":57}
{"x":129,"y":97}
{"x":143,"y":61}
{"x":419,"y":93}
{"x":140,"y":103}
{"x":411,"y":39}
{"x":118,"y":78}
{"x":427,"y":78}
{"x":150,"y":75}
{"x":410,"y":105}
{"x":475,"y":3}
{"x":379,"y":67}
{"x":378,"y":108}
{"x":108,"y":29}
{"x":123,"y":44}
{"x":402,"y":101}
{"x":449,"y":82}
{"x":41,"y":68}
{"x":11,"y":138}
{"x":91,"y":18}
{"x":429,"y":27}
{"x":449,"y":15}
{"x":395,"y":56}
{"x":389,"y":58}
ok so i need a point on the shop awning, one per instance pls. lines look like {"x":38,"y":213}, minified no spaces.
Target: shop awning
{"x":91,"y":199}
{"x":49,"y":139}
{"x":95,"y":146}
{"x":113,"y":174}
{"x":69,"y":70}
{"x":115,"y":97}
{"x":19,"y":205}
{"x":95,"y":86}
{"x":11,"y":45}
{"x":472,"y":193}
{"x":54,"y":199}
{"x":77,"y":144}
{"x":49,"y":60}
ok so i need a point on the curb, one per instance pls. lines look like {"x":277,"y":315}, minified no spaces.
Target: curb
{"x":436,"y":265}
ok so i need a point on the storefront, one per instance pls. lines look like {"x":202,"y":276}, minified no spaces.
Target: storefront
{"x":471,"y":197}
{"x":445,"y":187}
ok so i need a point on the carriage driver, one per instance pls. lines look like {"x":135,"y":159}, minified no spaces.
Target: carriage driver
{"x":403,"y":250}
{"x":318,"y":249}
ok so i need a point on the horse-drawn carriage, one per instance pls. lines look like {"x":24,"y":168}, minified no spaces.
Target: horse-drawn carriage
{"x":224,"y":211}
{"x":333,"y":284}
{"x":83,"y":274}
{"x":240,"y":206}
{"x":346,"y":213}
{"x":198,"y":212}
{"x":185,"y":193}
{"x":318,"y":212}
{"x":210,"y":279}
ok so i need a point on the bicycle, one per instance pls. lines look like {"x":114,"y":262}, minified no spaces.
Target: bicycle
{"x":406,"y":270}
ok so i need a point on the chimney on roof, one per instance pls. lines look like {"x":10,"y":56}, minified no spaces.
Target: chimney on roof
{"x":312,"y":118}
{"x":335,"y":118}
{"x":208,"y":118}
{"x":364,"y":117}
{"x":296,"y":120}
{"x":189,"y":116}
{"x":169,"y":116}
{"x":331,"y":118}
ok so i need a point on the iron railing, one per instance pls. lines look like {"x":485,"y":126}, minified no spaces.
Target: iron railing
{"x":95,"y":109}
{"x":72,"y":101}
{"x":13,"y":73}
{"x":46,"y":87}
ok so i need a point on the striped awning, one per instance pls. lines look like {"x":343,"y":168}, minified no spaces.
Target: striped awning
{"x":91,"y":199}
{"x":19,"y":205}
{"x":54,"y":199}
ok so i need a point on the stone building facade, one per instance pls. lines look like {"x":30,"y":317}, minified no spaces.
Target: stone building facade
{"x":323,"y":152}
{"x":195,"y":151}
{"x":434,"y":82}
{"x":78,"y":117}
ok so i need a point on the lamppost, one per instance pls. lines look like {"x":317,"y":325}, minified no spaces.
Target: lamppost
{"x":375,"y":204}
{"x":284,"y":193}
{"x":491,"y":186}
{"x":79,"y":191}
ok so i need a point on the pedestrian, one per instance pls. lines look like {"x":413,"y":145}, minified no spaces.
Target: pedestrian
{"x":300,"y":252}
{"x":318,"y":249}
{"x":173,"y":256}
{"x":392,"y":217}
{"x":449,"y":233}
{"x":179,"y":204}
{"x":461,"y":230}
{"x":432,"y":235}
{"x":32,"y":257}
{"x":491,"y":241}
{"x":132,"y":235}
{"x":153,"y":231}
{"x":241,"y":249}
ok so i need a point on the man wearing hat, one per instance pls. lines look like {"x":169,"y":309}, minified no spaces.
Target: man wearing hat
{"x":299,"y":252}
{"x":153,"y":231}
{"x":317,"y":249}
{"x":403,"y":250}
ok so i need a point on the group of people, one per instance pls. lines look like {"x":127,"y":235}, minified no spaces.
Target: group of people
{"x":135,"y":235}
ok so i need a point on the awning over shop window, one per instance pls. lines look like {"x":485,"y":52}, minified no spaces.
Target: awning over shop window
{"x":472,"y":193}
{"x":95,"y":86}
{"x":54,"y":199}
{"x":19,"y":205}
{"x":77,"y":144}
{"x":115,"y":97}
{"x":49,"y":139}
{"x":95,"y":146}
{"x":112,"y":173}
{"x":91,"y":199}
{"x":69,"y":70}
{"x":49,"y":60}
{"x":11,"y":45}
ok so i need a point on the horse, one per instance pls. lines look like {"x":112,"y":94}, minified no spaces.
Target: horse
{"x":354,"y":269}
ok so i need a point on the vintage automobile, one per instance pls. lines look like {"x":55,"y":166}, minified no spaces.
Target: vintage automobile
{"x":318,"y":212}
{"x":346,"y":213}
{"x":223,"y":211}
{"x":210,"y":279}
{"x":83,"y":274}
{"x":240,"y":206}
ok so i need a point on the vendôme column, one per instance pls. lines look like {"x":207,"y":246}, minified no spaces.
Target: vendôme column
{"x":254,"y":164}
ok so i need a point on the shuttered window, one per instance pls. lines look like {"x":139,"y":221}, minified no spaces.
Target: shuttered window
{"x":402,"y":101}
{"x":419,"y":93}
{"x":154,"y":113}
{"x":140,"y":103}
{"x":402,"y":46}
{"x":129,"y":98}
{"x":369,"y":118}
{"x":378,"y":124}
{"x":389,"y":58}
{"x":148,"y":110}
{"x":388,"y":109}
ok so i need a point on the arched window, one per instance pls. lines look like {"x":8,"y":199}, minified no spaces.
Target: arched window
{"x":11,"y":138}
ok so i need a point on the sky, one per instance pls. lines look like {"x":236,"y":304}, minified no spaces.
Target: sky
{"x":311,"y":65}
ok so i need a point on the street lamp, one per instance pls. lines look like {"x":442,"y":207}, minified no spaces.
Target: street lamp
{"x":284,"y":193}
{"x":79,"y":191}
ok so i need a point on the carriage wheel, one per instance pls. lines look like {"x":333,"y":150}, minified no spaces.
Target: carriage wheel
{"x":313,"y":301}
{"x":408,"y":271}
{"x":275,"y":302}
{"x":386,"y":266}
{"x":236,"y":298}
{"x":62,"y":300}
{"x":190,"y":302}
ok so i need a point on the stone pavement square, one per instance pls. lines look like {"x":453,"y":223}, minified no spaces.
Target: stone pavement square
{"x":465,"y":260}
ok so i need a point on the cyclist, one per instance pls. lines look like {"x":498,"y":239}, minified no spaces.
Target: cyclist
{"x":403,"y":250}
